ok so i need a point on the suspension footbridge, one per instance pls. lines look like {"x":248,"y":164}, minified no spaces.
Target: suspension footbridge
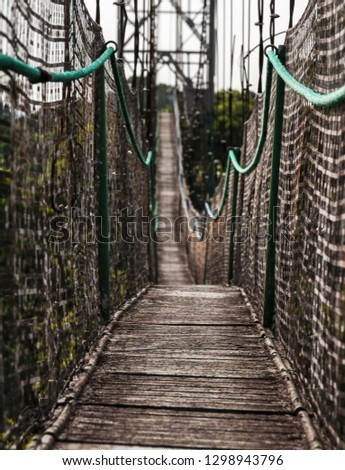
{"x":171,"y":276}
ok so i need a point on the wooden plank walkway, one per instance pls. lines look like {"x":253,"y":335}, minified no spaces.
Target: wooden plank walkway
{"x":185,"y":366}
{"x":172,"y":260}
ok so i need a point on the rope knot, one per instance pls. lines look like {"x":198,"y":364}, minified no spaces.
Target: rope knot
{"x":44,"y":77}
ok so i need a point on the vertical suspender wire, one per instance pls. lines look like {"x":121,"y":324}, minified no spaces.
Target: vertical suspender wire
{"x":217,"y":46}
{"x":223,"y":65}
{"x":103,"y":235}
{"x":232,"y":46}
{"x":269,"y":292}
{"x":272,"y":22}
{"x":260,"y":23}
{"x":120,"y":36}
{"x":136,"y":45}
{"x":142,"y":78}
{"x":98,"y":12}
{"x":242,"y":66}
{"x":292,"y":7}
{"x":147,"y":34}
{"x":248,"y":55}
{"x":151,"y":73}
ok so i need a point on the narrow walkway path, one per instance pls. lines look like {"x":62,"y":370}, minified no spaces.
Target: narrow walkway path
{"x":172,"y":260}
{"x":186,"y":366}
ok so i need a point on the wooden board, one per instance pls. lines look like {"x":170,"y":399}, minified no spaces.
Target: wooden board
{"x":184,"y":429}
{"x":165,"y":383}
{"x":265,"y":395}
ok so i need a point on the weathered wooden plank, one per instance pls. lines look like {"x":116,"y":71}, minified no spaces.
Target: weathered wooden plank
{"x":184,"y":429}
{"x":125,"y":327}
{"x":191,"y":367}
{"x":177,"y":352}
{"x":187,"y":392}
{"x":97,"y":446}
{"x":182,"y":341}
{"x":138,"y":344}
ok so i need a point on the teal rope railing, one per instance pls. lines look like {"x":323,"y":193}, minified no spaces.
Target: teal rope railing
{"x":233,"y":154}
{"x":264,"y":125}
{"x":224,"y":193}
{"x":324,"y":100}
{"x":317,"y":99}
{"x":36,"y":75}
{"x":122,"y":100}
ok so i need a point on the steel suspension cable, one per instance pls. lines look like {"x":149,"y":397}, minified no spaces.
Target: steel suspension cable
{"x":223,"y":64}
{"x":98,"y":12}
{"x":273,"y":16}
{"x":292,"y":8}
{"x":260,"y":24}
{"x":248,"y":41}
{"x":242,"y":67}
{"x":244,"y":58}
{"x":232,"y":45}
{"x":136,"y":44}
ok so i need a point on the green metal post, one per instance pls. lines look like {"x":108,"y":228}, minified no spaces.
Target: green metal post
{"x":270,"y":254}
{"x":233,"y":218}
{"x":103,"y":235}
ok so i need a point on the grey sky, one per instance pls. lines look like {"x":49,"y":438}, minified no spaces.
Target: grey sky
{"x":167,"y":32}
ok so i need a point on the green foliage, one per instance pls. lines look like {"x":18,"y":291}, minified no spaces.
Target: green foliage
{"x":225,"y":134}
{"x":206,"y":140}
{"x":164,"y":98}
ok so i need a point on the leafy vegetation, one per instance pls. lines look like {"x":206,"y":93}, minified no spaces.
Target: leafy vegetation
{"x":206,"y":139}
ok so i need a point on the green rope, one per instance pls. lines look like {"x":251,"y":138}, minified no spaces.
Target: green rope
{"x":233,"y":154}
{"x":264,"y":125}
{"x":37,"y":75}
{"x":317,"y":99}
{"x":224,"y":193}
{"x":122,"y":99}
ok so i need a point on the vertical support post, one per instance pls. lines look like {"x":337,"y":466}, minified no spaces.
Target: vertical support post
{"x":237,"y":152}
{"x":270,"y":253}
{"x":152,"y":245}
{"x":103,"y":235}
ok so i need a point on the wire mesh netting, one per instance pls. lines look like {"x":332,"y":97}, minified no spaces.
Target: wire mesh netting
{"x":310,"y":235}
{"x":49,"y":178}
